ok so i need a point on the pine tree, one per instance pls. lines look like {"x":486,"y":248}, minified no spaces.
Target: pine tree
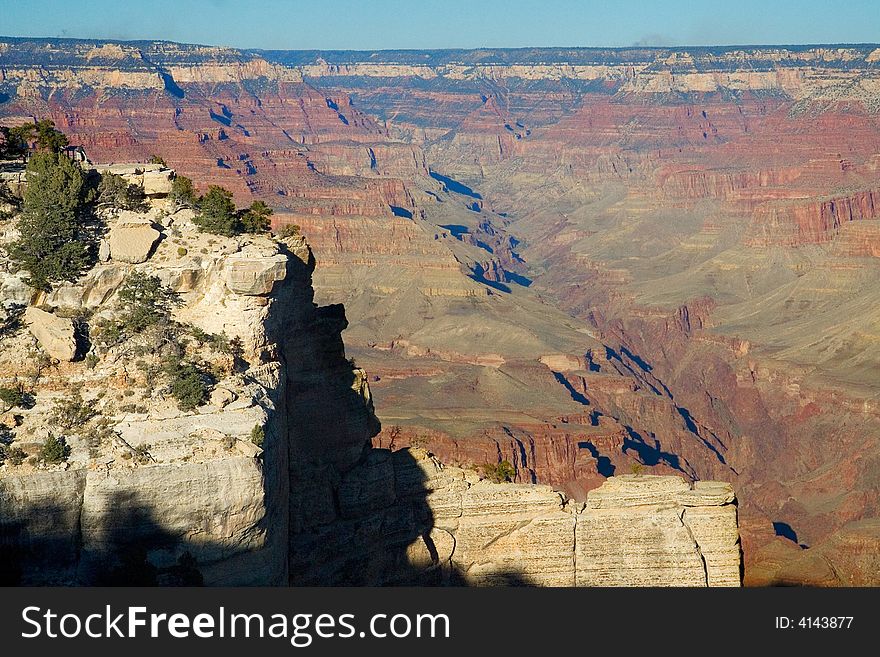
{"x":51,"y":246}
{"x":217,"y":212}
{"x":183,"y":192}
{"x":256,"y":218}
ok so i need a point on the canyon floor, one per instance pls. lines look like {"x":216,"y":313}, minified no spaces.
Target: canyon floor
{"x":580,"y":261}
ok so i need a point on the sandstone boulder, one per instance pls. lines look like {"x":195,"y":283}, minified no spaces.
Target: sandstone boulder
{"x":222,"y":397}
{"x":55,"y":334}
{"x":132,"y":242}
{"x":158,"y":183}
{"x":252,"y":274}
{"x":247,"y":448}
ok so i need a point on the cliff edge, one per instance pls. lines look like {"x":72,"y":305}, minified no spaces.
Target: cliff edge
{"x":229,"y":444}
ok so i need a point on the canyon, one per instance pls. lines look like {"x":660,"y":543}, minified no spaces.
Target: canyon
{"x":580,"y":261}
{"x":271,"y":479}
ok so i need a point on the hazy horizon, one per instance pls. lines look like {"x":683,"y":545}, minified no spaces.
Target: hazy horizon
{"x":683,"y":46}
{"x":453,"y":25}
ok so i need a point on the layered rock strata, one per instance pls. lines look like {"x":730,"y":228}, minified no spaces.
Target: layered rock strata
{"x":412,"y":520}
{"x":170,"y":496}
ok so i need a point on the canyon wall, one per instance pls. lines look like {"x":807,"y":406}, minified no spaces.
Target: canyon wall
{"x":412,"y":520}
{"x":152,"y":494}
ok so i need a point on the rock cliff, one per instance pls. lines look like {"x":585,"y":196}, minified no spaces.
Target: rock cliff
{"x":415,"y":521}
{"x":271,"y":478}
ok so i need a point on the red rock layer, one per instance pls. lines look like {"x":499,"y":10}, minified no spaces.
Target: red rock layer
{"x":290,"y":145}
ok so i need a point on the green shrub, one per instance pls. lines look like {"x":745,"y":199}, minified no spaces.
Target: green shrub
{"x":217,"y":214}
{"x":183,"y":192}
{"x":40,"y":361}
{"x":54,"y":450}
{"x":15,"y":455}
{"x":133,"y":408}
{"x":99,"y":433}
{"x":499,"y":472}
{"x":53,"y":244}
{"x":636,"y":469}
{"x":144,"y":302}
{"x":12,"y":146}
{"x":289,"y":230}
{"x":72,"y":412}
{"x":114,"y":191}
{"x":12,"y":454}
{"x":258,"y":435}
{"x":106,"y":333}
{"x":43,"y":133}
{"x":188,"y":383}
{"x":157,"y":159}
{"x":11,"y":397}
{"x":256,"y":218}
{"x":10,"y":319}
{"x":91,"y":361}
{"x":181,"y":251}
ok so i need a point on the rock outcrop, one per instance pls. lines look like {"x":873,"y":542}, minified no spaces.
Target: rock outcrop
{"x":412,"y":520}
{"x":254,"y":274}
{"x":642,"y":530}
{"x":57,"y":335}
{"x":132,"y":241}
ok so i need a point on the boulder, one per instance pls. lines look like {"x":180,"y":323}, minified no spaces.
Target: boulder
{"x":222,"y":397}
{"x":255,"y":275}
{"x":104,"y":251}
{"x":55,"y":334}
{"x":247,"y":448}
{"x":158,"y":183}
{"x":132,"y":242}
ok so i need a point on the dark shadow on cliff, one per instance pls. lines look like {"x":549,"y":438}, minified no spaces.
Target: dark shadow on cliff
{"x":647,"y":453}
{"x":44,"y":544}
{"x":784,"y":530}
{"x":383,"y":532}
{"x":604,"y":466}
{"x":358,"y":516}
{"x":453,"y":185}
{"x":575,"y":395}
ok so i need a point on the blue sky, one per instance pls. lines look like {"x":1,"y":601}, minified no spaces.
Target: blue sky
{"x":367,"y":25}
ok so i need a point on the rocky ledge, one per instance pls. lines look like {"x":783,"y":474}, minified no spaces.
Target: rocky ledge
{"x":423,"y":522}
